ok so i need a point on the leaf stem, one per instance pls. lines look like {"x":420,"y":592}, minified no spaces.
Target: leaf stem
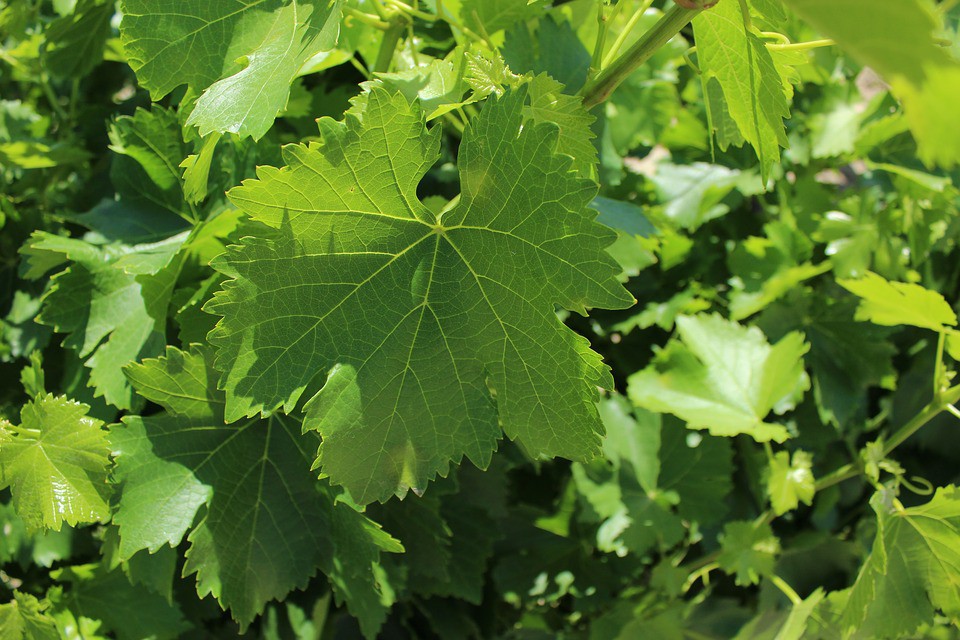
{"x":787,"y":590}
{"x":602,"y":25}
{"x":625,"y":33}
{"x":938,"y":367}
{"x":388,"y":45}
{"x":52,"y":97}
{"x":928,"y":413}
{"x":801,"y":46}
{"x":366,"y":18}
{"x":440,"y":15}
{"x":669,"y":25}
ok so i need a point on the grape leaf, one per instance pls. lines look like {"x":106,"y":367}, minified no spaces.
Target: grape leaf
{"x":26,"y":617}
{"x":724,"y":377}
{"x":243,"y":56}
{"x":896,"y":303}
{"x":790,"y":483}
{"x":436,"y":330}
{"x":131,"y":611}
{"x":748,"y":550}
{"x":555,"y":50}
{"x":783,"y":625}
{"x":547,"y":103}
{"x":734,"y":61}
{"x":110,"y":300}
{"x":897,"y":40}
{"x":490,"y":16}
{"x":75,"y":43}
{"x":268,"y":525}
{"x":914,"y":567}
{"x":633,"y":516}
{"x":699,"y":468}
{"x":144,"y":172}
{"x":55,"y":464}
{"x":846,"y":357}
{"x":633,"y":440}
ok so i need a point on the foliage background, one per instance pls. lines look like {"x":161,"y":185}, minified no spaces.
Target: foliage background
{"x":779,"y":453}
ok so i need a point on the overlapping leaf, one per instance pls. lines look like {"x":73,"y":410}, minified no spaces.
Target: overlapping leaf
{"x":265,"y":524}
{"x":735,"y":64}
{"x":434,"y":330}
{"x":243,"y":56}
{"x":748,"y":550}
{"x":790,"y":482}
{"x":724,"y":377}
{"x":897,"y":40}
{"x":913,"y":569}
{"x":899,"y":303}
{"x":55,"y":463}
{"x":111,"y":301}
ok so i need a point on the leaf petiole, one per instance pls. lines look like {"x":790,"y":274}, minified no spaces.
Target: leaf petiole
{"x":801,"y":46}
{"x":669,"y":25}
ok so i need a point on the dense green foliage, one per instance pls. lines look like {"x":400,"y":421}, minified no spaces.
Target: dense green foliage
{"x":479,"y":319}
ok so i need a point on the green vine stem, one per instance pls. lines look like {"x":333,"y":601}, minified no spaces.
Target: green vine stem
{"x":625,"y":33}
{"x":928,"y":413}
{"x":801,"y":46}
{"x":669,"y":25}
{"x":388,"y":46}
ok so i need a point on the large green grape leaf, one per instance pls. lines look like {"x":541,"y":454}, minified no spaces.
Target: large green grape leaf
{"x":913,"y":569}
{"x":724,"y":377}
{"x":242,"y":55}
{"x":55,"y":463}
{"x":434,"y":330}
{"x":897,"y":40}
{"x":734,"y":62}
{"x":267,"y":526}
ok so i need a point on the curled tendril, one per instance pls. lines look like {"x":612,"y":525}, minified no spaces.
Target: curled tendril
{"x":923,"y":487}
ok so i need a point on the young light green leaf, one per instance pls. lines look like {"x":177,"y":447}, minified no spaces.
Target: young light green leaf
{"x":196,"y":170}
{"x":439,"y":85}
{"x":435,"y":330}
{"x":736,"y":59}
{"x":724,"y":377}
{"x":55,"y":463}
{"x":27,"y":618}
{"x":897,"y":40}
{"x":913,"y":569}
{"x":548,"y":103}
{"x":242,"y":56}
{"x":790,"y":483}
{"x":898,"y":303}
{"x":268,"y":524}
{"x":748,"y":550}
